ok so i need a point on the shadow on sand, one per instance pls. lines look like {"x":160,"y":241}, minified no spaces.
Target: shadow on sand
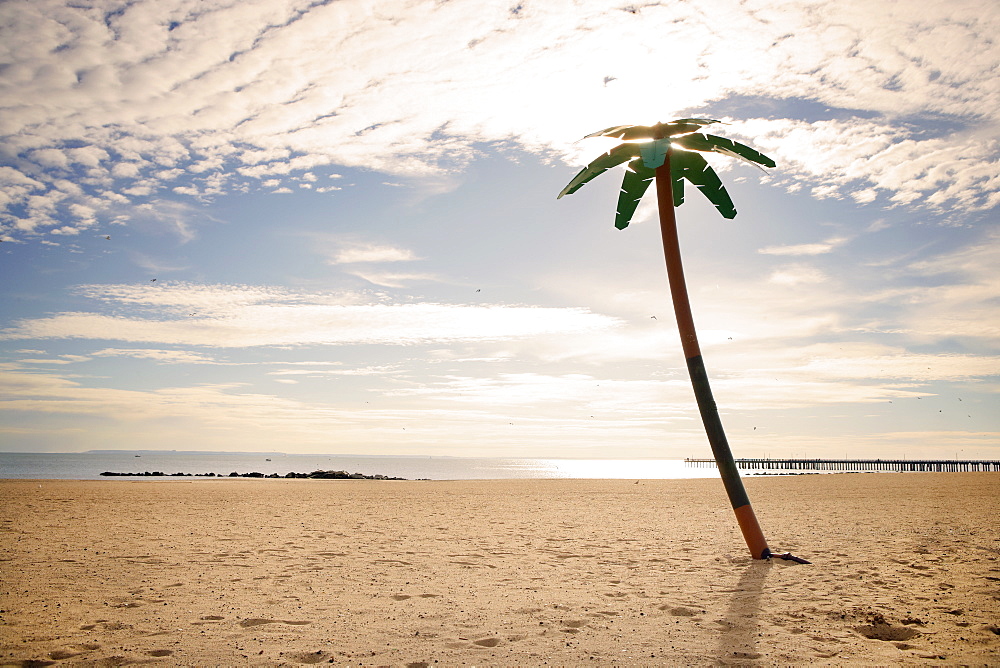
{"x":738,"y":641}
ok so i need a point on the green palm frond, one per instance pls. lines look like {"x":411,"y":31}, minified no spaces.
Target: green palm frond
{"x":612,"y":158}
{"x":634,"y":185}
{"x":686,"y":164}
{"x":634,"y":132}
{"x":695,"y":121}
{"x":683,"y":126}
{"x":676,"y":184}
{"x":710,"y":143}
{"x":625,"y":132}
{"x":693,"y":167}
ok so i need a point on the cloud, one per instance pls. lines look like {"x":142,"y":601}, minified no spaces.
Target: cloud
{"x":388,"y":279}
{"x":865,"y":362}
{"x":160,"y":356}
{"x":958,"y":295}
{"x":827,"y":246}
{"x":806,"y":376}
{"x":575,"y":396}
{"x":793,"y":275}
{"x":368,"y":252}
{"x":61,"y":359}
{"x":245,"y":316}
{"x":864,"y":157}
{"x":316,"y":373}
{"x":220,"y":414}
{"x":217,"y":409}
{"x":160,"y":96}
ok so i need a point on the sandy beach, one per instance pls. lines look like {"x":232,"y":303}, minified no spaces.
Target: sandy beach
{"x":906,"y":570}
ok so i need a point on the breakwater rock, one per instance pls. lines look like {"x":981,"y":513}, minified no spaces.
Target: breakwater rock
{"x":321,"y":475}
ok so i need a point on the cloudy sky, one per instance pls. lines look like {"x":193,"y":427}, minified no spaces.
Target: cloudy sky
{"x":332,"y":227}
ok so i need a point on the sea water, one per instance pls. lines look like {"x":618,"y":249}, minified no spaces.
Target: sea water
{"x":90,"y":465}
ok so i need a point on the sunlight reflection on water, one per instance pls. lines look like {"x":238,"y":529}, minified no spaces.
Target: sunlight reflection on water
{"x":626,"y":468}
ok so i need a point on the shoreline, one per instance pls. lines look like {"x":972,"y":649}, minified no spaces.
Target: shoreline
{"x":906,"y":569}
{"x":315,"y":475}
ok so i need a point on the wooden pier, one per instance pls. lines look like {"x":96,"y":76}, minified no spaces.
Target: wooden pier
{"x":936,"y":465}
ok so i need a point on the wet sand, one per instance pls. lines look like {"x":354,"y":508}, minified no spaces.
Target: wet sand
{"x":906,"y":569}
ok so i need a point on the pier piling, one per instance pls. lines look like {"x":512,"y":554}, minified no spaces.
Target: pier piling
{"x":924,"y":465}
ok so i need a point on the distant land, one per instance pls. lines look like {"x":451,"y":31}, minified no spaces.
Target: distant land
{"x":186,"y":452}
{"x":266,"y":454}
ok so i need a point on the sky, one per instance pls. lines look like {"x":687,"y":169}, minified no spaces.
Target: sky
{"x":332,"y":227}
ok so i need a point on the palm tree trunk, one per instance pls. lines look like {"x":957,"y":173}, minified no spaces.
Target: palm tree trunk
{"x":696,"y":368}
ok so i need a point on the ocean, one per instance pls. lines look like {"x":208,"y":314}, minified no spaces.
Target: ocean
{"x":90,"y":465}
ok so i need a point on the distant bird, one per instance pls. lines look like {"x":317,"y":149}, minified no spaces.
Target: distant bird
{"x":108,"y":238}
{"x":608,"y":80}
{"x":653,"y":317}
{"x":478,"y":290}
{"x":152,"y":280}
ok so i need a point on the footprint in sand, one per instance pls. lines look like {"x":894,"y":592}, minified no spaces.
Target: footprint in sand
{"x":208,"y":619}
{"x":256,"y":621}
{"x":747,"y":656}
{"x":679,"y":611}
{"x":487,"y":642}
{"x":61,"y":654}
{"x":319,"y":656}
{"x":464,"y":563}
{"x":482,"y":643}
{"x":573,"y":626}
{"x":880,"y":629}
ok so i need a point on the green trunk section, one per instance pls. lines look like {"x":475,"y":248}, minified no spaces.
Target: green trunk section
{"x":716,"y":435}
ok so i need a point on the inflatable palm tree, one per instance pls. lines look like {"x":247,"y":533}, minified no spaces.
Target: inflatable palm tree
{"x":671,"y":153}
